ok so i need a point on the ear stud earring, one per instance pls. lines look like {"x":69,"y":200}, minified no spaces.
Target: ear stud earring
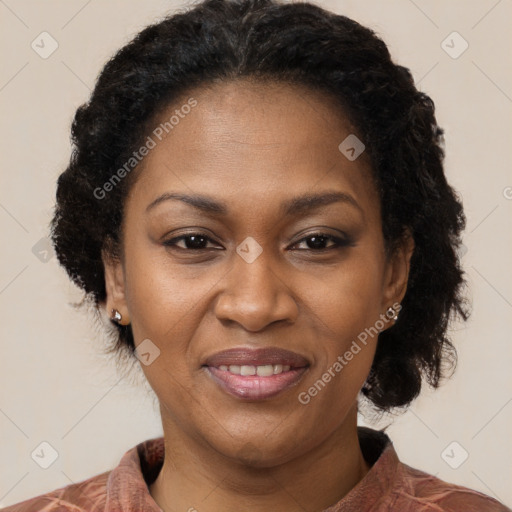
{"x":115,"y":316}
{"x":392,"y":313}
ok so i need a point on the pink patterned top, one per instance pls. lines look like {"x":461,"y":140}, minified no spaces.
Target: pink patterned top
{"x":390,"y":485}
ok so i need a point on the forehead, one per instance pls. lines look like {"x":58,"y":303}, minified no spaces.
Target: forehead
{"x":251,"y":141}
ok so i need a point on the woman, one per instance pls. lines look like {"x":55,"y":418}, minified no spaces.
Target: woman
{"x":257,"y":199}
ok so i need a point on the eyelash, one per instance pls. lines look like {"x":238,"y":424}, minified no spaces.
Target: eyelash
{"x":338,"y":242}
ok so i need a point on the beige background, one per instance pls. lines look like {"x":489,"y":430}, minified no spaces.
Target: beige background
{"x":55,"y":387}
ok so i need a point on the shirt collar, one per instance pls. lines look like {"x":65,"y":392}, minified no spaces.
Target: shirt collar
{"x":127,"y":485}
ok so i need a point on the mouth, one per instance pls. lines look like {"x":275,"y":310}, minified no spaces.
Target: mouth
{"x":256,"y":374}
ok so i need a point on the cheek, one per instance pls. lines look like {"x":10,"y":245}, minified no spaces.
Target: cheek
{"x":345,"y":308}
{"x":163,"y":301}
{"x":347,"y":300}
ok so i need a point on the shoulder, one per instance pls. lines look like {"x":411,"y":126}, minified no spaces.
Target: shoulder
{"x":86,"y":496}
{"x":108,"y":490}
{"x":425,"y":492}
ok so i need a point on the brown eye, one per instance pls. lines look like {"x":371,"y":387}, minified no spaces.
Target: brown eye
{"x":322,"y":242}
{"x":193,"y":241}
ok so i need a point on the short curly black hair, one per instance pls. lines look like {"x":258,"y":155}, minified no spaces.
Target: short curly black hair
{"x":217,"y":41}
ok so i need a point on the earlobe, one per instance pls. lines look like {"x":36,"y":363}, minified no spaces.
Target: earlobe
{"x":115,"y":302}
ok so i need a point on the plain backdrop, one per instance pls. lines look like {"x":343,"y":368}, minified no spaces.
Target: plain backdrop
{"x":55,"y":386}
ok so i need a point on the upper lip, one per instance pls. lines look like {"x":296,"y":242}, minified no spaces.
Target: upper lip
{"x":257,"y":357}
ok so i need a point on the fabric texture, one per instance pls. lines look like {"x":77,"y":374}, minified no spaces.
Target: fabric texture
{"x":390,"y":485}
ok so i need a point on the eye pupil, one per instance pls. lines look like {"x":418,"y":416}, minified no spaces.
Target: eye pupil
{"x":195,"y":241}
{"x":316,"y":242}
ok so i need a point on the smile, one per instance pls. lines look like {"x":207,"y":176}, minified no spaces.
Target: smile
{"x":265,"y":370}
{"x":256,"y":374}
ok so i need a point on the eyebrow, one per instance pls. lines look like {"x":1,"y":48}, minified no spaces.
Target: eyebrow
{"x":295,"y":206}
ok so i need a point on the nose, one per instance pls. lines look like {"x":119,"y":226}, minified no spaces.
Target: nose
{"x":255,"y":295}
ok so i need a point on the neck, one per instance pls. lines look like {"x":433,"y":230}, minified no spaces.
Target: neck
{"x":195,"y":478}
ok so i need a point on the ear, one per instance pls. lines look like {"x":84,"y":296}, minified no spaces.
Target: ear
{"x":115,"y":287}
{"x":397,"y":272}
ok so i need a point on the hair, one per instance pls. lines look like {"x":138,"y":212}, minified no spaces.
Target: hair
{"x":217,"y":41}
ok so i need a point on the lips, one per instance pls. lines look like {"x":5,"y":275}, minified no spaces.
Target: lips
{"x":257,"y":357}
{"x":256,"y":374}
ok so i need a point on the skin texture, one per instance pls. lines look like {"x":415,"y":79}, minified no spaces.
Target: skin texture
{"x":254,"y":146}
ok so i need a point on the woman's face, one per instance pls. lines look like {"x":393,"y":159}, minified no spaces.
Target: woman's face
{"x":259,"y":273}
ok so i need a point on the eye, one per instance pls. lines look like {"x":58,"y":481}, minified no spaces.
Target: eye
{"x":316,"y":242}
{"x":321,"y":242}
{"x":191,"y":242}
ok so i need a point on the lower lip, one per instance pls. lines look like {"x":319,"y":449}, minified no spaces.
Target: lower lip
{"x":253,"y":387}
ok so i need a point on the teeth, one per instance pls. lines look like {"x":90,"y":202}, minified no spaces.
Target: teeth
{"x":247,"y":370}
{"x":265,"y":370}
{"x":234,"y":368}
